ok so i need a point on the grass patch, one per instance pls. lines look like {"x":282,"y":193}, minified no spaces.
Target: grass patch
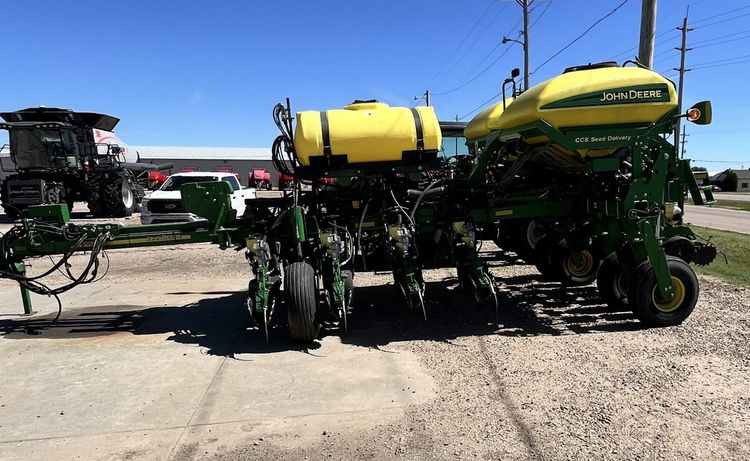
{"x":737,"y":248}
{"x":729,"y":205}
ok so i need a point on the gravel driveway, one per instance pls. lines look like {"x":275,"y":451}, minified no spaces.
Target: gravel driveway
{"x":560,"y":378}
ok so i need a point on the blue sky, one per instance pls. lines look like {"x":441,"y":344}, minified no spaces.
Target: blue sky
{"x":207,"y":73}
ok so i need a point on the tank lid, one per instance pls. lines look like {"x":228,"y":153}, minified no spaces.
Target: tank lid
{"x":368,"y":104}
{"x":589,"y":66}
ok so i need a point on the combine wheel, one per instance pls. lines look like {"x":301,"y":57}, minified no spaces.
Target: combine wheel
{"x":651,"y":308}
{"x":302,"y":300}
{"x":118,"y":197}
{"x":609,"y":281}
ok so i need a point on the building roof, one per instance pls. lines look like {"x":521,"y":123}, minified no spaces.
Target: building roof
{"x":742,"y":174}
{"x":202,"y":153}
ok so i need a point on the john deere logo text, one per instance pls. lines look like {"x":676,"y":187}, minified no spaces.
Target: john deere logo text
{"x":632,"y":95}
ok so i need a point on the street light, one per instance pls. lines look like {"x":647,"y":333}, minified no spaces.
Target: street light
{"x":506,"y":40}
{"x":526,"y":59}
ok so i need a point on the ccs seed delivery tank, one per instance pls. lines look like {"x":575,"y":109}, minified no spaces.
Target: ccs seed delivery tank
{"x":582,"y":98}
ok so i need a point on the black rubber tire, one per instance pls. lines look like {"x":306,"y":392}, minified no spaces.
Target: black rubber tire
{"x":560,"y":257}
{"x":348,"y":286}
{"x":523,"y":243}
{"x":643,"y":299}
{"x":544,"y":261}
{"x":112,"y":200}
{"x":607,"y":282}
{"x":302,"y":302}
{"x":94,"y":192}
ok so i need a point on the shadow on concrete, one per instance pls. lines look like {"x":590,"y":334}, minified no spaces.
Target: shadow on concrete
{"x":223,"y":326}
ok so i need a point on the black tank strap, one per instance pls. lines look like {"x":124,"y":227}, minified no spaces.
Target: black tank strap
{"x":326,"y":134}
{"x":418,"y":126}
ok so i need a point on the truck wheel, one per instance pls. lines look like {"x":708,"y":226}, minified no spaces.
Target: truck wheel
{"x":302,"y":302}
{"x":648,"y":304}
{"x":610,"y":286}
{"x":118,"y":197}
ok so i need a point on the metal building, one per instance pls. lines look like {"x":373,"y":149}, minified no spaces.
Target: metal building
{"x":239,"y":160}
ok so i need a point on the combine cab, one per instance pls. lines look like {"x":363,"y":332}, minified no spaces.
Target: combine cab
{"x":62,"y":156}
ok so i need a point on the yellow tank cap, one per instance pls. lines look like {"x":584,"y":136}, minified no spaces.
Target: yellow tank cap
{"x":366,"y":105}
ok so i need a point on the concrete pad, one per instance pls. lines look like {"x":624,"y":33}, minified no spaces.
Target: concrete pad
{"x":185,"y":374}
{"x":131,"y":446}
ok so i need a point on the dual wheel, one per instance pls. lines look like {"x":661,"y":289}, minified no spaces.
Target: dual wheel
{"x":116,"y":196}
{"x":301,"y":287}
{"x":641,"y":292}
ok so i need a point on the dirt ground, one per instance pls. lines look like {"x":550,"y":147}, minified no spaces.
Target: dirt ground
{"x":559,"y":378}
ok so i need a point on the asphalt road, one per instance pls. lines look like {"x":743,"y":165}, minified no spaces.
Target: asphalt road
{"x":733,"y":196}
{"x":718,"y":218}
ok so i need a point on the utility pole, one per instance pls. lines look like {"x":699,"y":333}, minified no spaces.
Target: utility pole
{"x":525,"y":5}
{"x":683,"y":53}
{"x":648,"y":30}
{"x":682,"y":143}
{"x":425,"y":96}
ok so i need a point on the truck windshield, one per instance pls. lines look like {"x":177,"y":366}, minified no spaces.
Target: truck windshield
{"x":43,"y":148}
{"x":175,"y":182}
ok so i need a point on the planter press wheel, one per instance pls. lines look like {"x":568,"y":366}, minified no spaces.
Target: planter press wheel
{"x":302,"y":302}
{"x":609,"y":282}
{"x":263,"y":319}
{"x":648,"y":304}
{"x":413,"y":301}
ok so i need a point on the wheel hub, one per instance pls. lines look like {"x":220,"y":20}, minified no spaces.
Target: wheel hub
{"x":127,"y":194}
{"x":672,"y":304}
{"x":581,"y":266}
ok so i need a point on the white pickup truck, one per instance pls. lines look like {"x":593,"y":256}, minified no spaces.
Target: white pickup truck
{"x":165,"y":203}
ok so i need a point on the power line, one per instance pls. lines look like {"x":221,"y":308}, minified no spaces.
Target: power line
{"x":721,"y":14}
{"x":721,"y":65}
{"x":634,"y":48}
{"x":541,"y":14}
{"x":466,"y":51}
{"x":631,"y":49}
{"x":484,"y":59}
{"x":722,"y":36}
{"x":468,"y":33}
{"x":721,"y":42}
{"x":481,"y":105}
{"x":723,"y":60}
{"x":476,"y":76}
{"x":582,"y":35}
{"x":723,"y":21}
